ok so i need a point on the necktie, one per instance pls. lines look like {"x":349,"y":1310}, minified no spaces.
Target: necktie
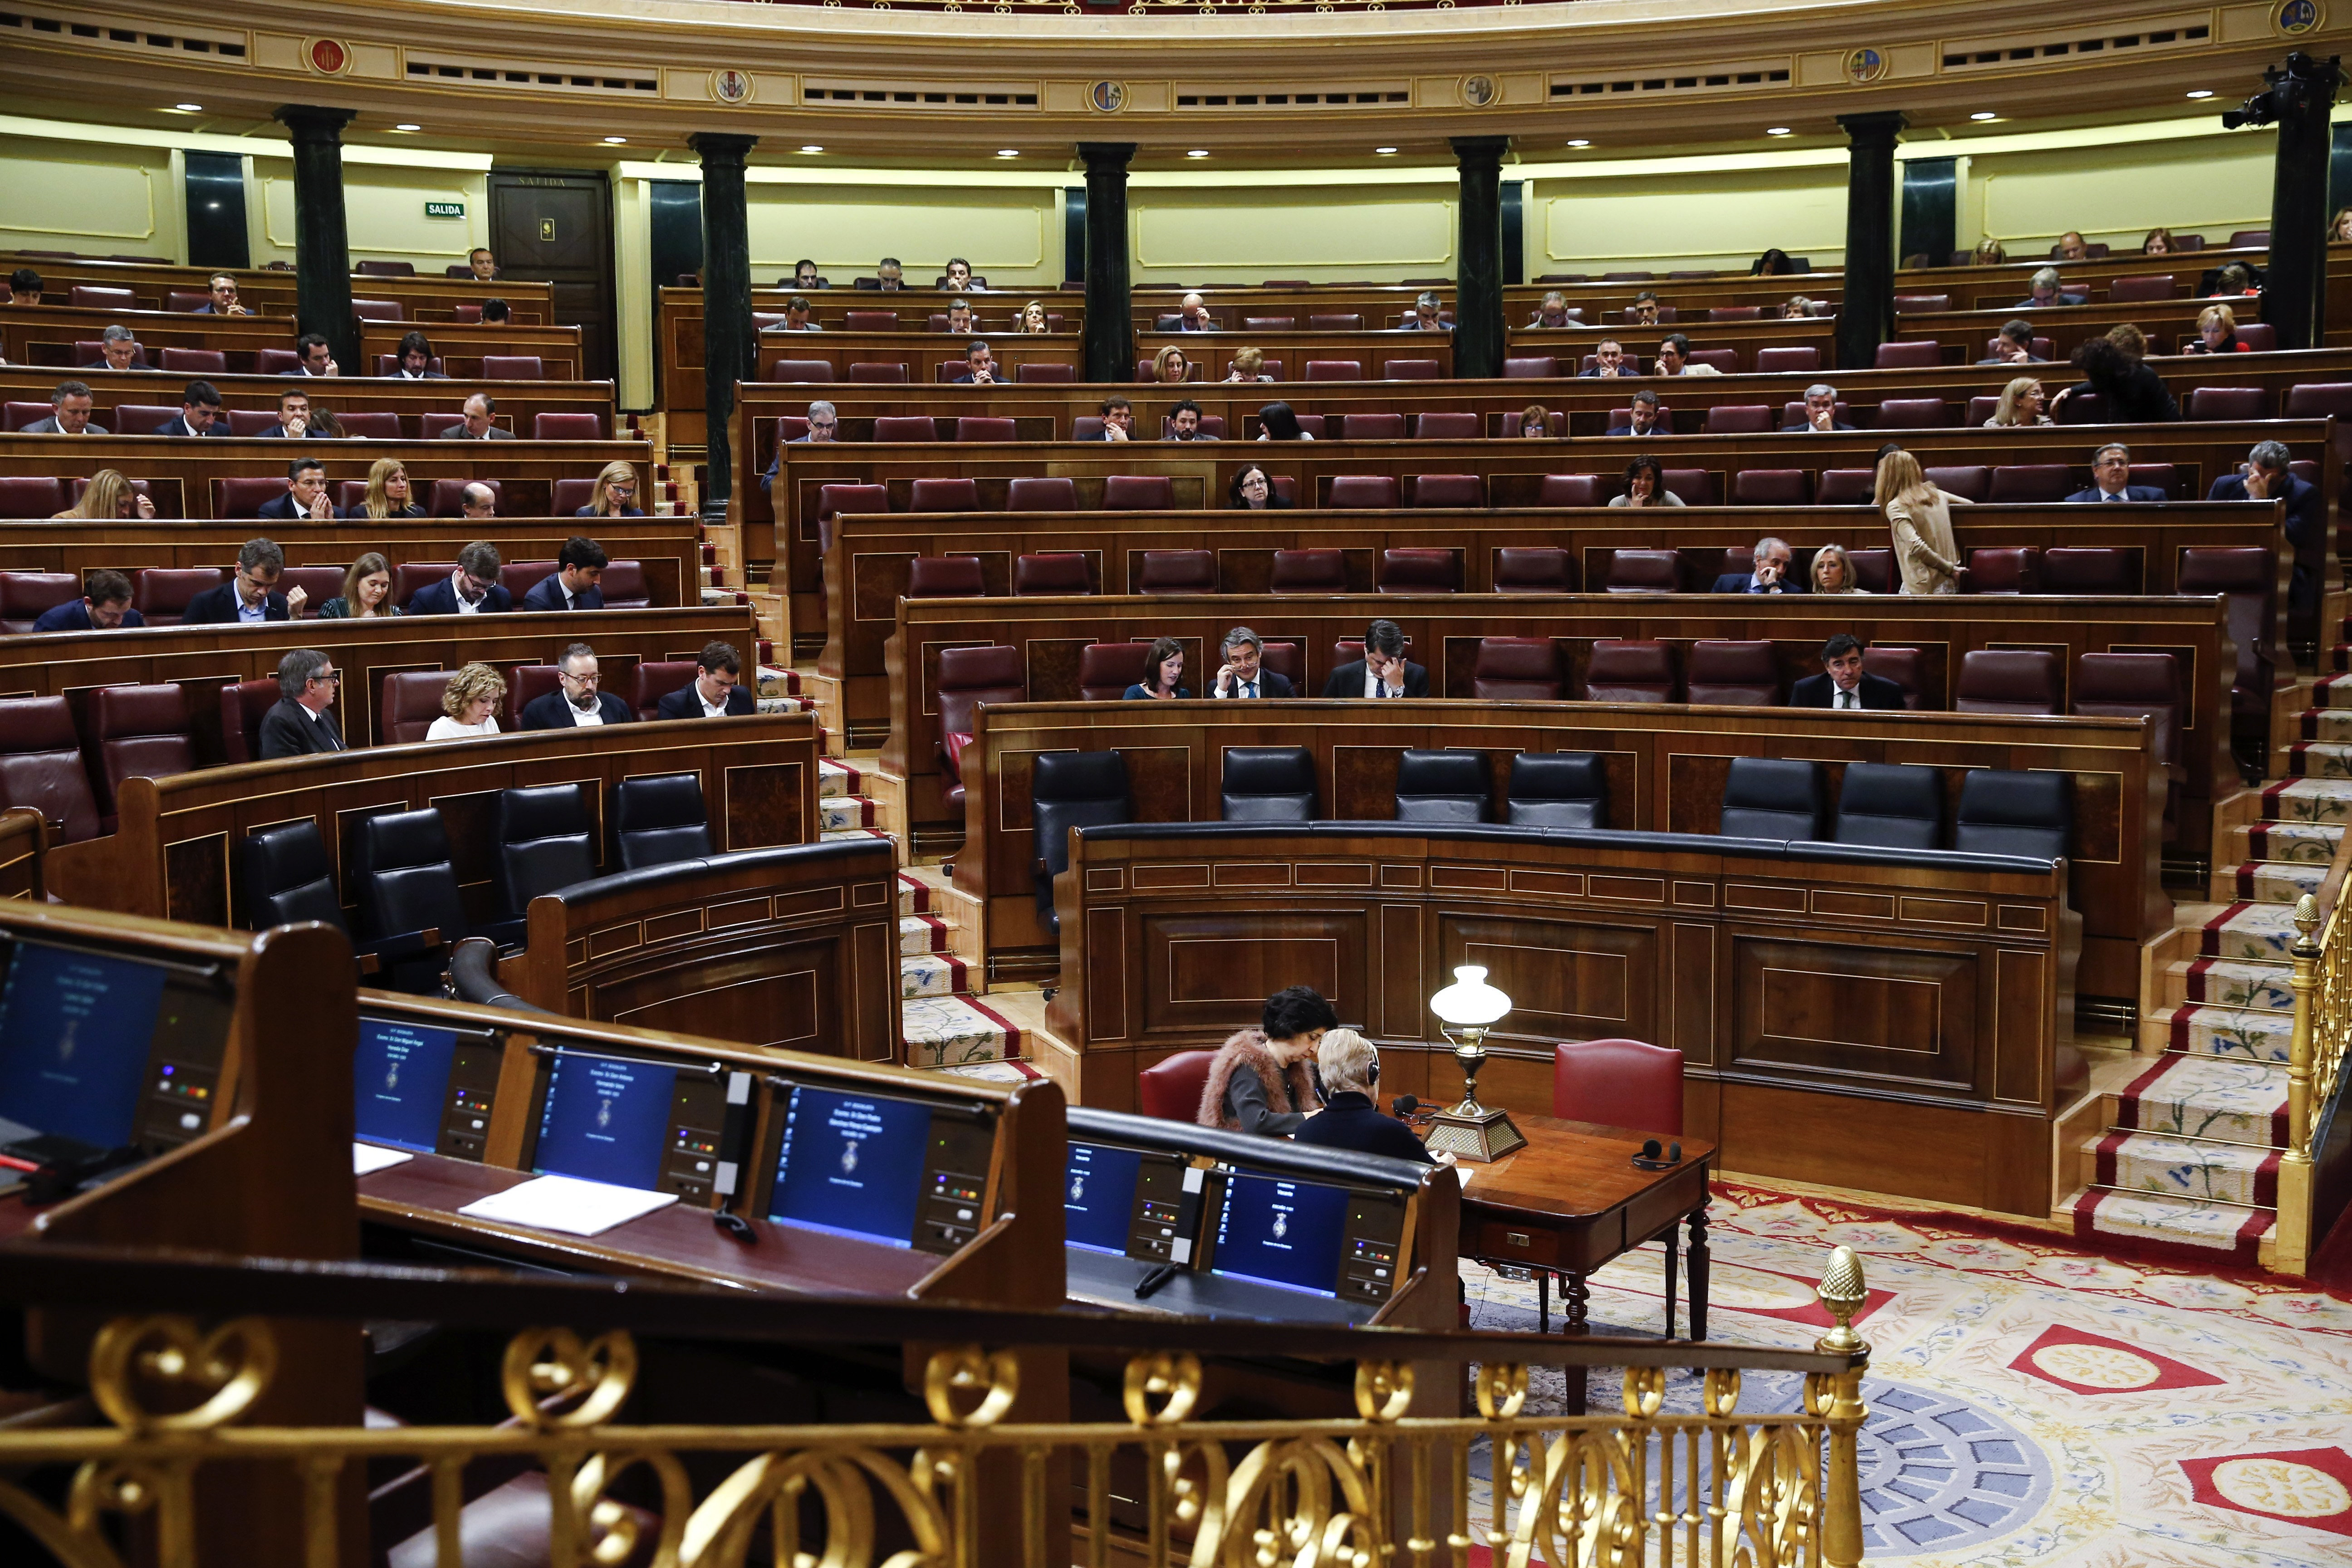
{"x":1249,"y":688}
{"x":2116,"y":495}
{"x":1846,"y":700}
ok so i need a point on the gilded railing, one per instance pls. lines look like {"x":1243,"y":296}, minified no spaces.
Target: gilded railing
{"x":1638,"y":1486}
{"x":2322,"y":984}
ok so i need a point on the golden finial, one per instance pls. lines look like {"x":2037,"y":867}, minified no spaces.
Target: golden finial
{"x":1842,"y":1292}
{"x":2306,"y":920}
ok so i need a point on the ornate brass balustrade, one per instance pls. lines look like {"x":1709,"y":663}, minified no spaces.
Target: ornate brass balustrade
{"x":2321,"y":981}
{"x":1640,"y":1485}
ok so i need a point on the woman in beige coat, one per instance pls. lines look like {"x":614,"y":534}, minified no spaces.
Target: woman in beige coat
{"x":1925,"y":552}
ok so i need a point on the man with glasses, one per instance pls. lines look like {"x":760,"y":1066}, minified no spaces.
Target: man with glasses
{"x":300,"y":721}
{"x":200,"y":413}
{"x":578,"y":702}
{"x":822,"y":425}
{"x":2111,"y":476}
{"x":252,"y":594}
{"x":473,"y":589}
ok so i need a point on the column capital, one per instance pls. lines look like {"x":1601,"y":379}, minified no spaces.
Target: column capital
{"x":1875,"y":128}
{"x":1102,"y":157}
{"x":722,"y":146}
{"x":1486,"y":152}
{"x":313,"y":123}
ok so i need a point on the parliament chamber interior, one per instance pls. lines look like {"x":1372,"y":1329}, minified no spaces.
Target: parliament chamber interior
{"x":1503,"y":1077}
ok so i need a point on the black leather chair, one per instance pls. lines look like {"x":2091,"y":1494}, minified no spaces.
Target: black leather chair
{"x":408,"y":883}
{"x":1066,"y":790}
{"x":1771,"y":797}
{"x":1443,"y":786}
{"x":547,"y":840}
{"x":1558,"y":789}
{"x":289,"y":880}
{"x":2003,"y":812}
{"x":660,"y":819}
{"x":1267,"y":784}
{"x":1890,"y":806}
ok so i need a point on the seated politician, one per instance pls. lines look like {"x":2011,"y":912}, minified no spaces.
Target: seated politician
{"x":1242,"y":676}
{"x":1843,"y":683}
{"x":315,"y":357}
{"x":1163,"y":674}
{"x":1383,"y":671}
{"x":302,"y":720}
{"x":471,"y":589}
{"x":1770,"y":574}
{"x":2266,"y":477}
{"x":1258,"y":1080}
{"x":1118,"y":420}
{"x":414,"y":359}
{"x":1821,"y":411}
{"x":616,"y":492}
{"x":71,"y":403}
{"x":297,"y":421}
{"x":1643,"y":417}
{"x":578,"y":702}
{"x":1609,"y":358}
{"x":978,"y":366}
{"x":104,"y":606}
{"x":575,"y":584}
{"x":250,"y":595}
{"x":117,"y":349}
{"x":2111,"y":479}
{"x":717,"y":689}
{"x":305,"y":497}
{"x":200,"y":413}
{"x":481,"y":422}
{"x":1351,"y":1117}
{"x":824,"y":425}
{"x":221,"y":291}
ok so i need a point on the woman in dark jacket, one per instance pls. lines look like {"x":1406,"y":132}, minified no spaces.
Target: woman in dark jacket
{"x":1258,"y":1080}
{"x":1253,"y":491}
{"x":1278,"y":422}
{"x":2135,"y":395}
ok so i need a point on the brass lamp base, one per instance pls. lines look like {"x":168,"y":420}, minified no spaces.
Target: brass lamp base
{"x":1471,"y":1131}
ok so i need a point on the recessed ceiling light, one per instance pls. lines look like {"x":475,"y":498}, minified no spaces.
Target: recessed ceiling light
{"x":189,"y":108}
{"x":2201,"y":92}
{"x":811,"y":147}
{"x":1008,"y":152}
{"x":1984,"y":115}
{"x":615,"y":140}
{"x":1775,"y":130}
{"x":1385,"y":152}
{"x":1198,"y":152}
{"x":408,"y":128}
{"x":1579,"y":141}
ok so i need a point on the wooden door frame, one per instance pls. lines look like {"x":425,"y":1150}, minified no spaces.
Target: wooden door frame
{"x":501,"y":178}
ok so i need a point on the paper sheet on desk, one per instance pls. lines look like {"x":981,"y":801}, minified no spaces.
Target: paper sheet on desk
{"x":569,"y":1204}
{"x":367,"y":1159}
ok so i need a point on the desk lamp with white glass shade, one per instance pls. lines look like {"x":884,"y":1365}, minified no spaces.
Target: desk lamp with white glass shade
{"x":1465,"y":1010}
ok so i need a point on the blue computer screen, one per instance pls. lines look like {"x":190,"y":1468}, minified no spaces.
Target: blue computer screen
{"x":75,"y":1031}
{"x":852,"y":1165}
{"x":1282,"y":1233}
{"x":606,"y":1119}
{"x":1098,"y":1196}
{"x":399,"y":1082}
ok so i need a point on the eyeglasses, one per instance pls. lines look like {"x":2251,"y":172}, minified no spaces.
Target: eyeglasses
{"x":329,"y":675}
{"x":590,"y":679}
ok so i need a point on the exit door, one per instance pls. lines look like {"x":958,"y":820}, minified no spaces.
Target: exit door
{"x":555,"y":226}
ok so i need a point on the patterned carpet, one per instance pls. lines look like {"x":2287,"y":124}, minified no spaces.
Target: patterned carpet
{"x":2030,"y":1403}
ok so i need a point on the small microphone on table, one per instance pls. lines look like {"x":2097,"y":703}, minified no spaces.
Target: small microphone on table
{"x":1404,"y":1105}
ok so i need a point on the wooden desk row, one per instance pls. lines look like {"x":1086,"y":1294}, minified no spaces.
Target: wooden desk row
{"x":1898,"y":1022}
{"x":182,"y":473}
{"x":461,"y":346}
{"x":425,"y":407}
{"x":271,"y":291}
{"x":46,"y":335}
{"x":2169,"y":324}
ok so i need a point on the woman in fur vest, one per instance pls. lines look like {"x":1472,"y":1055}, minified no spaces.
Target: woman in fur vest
{"x":1258,"y":1081}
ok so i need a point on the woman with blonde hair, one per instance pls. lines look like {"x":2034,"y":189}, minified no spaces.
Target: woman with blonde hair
{"x":367,"y":591}
{"x":388,"y":493}
{"x":1988,"y":253}
{"x":1833,"y":572}
{"x":1032,"y":318}
{"x":2341,"y":228}
{"x":111,"y":495}
{"x":1171,"y":366}
{"x":1248,"y":364}
{"x":2217,"y":334}
{"x":469,"y":707}
{"x":616,"y":487}
{"x":2020,"y":404}
{"x":1258,"y":1080}
{"x":1919,"y":515}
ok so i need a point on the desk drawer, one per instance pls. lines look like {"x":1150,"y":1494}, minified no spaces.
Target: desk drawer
{"x":1503,"y":1241}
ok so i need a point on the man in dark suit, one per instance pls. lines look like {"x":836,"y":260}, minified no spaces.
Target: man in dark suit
{"x":251,"y":596}
{"x":1609,"y":359}
{"x":294,"y":420}
{"x":2111,"y":470}
{"x":1242,"y":676}
{"x":104,"y":606}
{"x":479,"y":425}
{"x":824,"y":425}
{"x":24,"y":287}
{"x":579,"y":704}
{"x":1646,"y":418}
{"x":978,"y":366}
{"x":117,"y":350}
{"x":305,"y":497}
{"x":574,"y":584}
{"x":1184,"y":422}
{"x":72,"y":403}
{"x":1843,"y":683}
{"x":888,"y":274}
{"x":1192,"y":315}
{"x":200,"y":413}
{"x":317,"y":359}
{"x":1350,"y":1118}
{"x":473,"y":589}
{"x":1117,"y":421}
{"x":1427,"y":315}
{"x":2015,"y":345}
{"x":1382,"y":671}
{"x":1820,"y":412}
{"x":2266,"y":477}
{"x":717,"y":689}
{"x":1772,"y":557}
{"x":224,"y":298}
{"x":300,"y":722}
{"x":959,"y":323}
{"x":412,"y":361}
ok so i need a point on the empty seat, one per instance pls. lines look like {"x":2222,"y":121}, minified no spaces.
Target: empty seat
{"x":1734,"y":313}
{"x":558,"y":427}
{"x":1267,"y":784}
{"x":1177,"y":571}
{"x":871,"y":321}
{"x":1034,"y":374}
{"x":2089,"y":569}
{"x":1335,"y":370}
{"x":547,"y":842}
{"x":1060,"y":572}
{"x":1769,"y":487}
{"x":2317,"y":399}
{"x":1558,"y":789}
{"x":1623,"y":670}
{"x":906,"y":427}
{"x":1738,"y":673}
{"x":1448,"y":491}
{"x":1874,"y":569}
{"x":659,"y":820}
{"x":2002,"y":569}
{"x":160,"y":594}
{"x":1335,"y":321}
{"x":1725,"y":361}
{"x":984,"y":428}
{"x":1769,"y":361}
{"x":1771,"y":797}
{"x":1971,"y":480}
{"x":1918,"y":355}
{"x":2249,"y":238}
{"x":1309,"y":571}
{"x":1913,"y":414}
{"x":1534,"y":569}
{"x":2009,"y":681}
{"x":943,"y":495}
{"x":2229,"y":402}
{"x":1067,"y":790}
{"x":870,"y":372}
{"x":408,"y":702}
{"x":1738,"y":419}
{"x":407,"y":880}
{"x":1920,"y":304}
{"x":379,"y":310}
{"x":1372,"y":426}
{"x":1903,"y":665}
{"x":2246,"y":578}
{"x":1516,"y":669}
{"x":91,"y":297}
{"x":656,"y":679}
{"x":1408,"y":570}
{"x":2016,"y":482}
{"x":2003,"y":812}
{"x":138,"y":731}
{"x":799,"y":372}
{"x":2133,"y":685}
{"x":1890,"y":806}
{"x":1443,"y":786}
{"x":1106,"y":669}
{"x":1697,"y":486}
{"x":944,"y":577}
{"x":1362,"y":491}
{"x":1270,"y":323}
{"x":244,"y":497}
{"x":513,"y":367}
{"x":192,"y":362}
{"x":385,"y":268}
{"x":32,"y":497}
{"x":1530,"y":367}
{"x":1410,"y":370}
{"x":41,"y":767}
{"x":26,"y":596}
{"x":1570,"y":489}
{"x":2146,"y":285}
{"x":1052,"y":493}
{"x":969,"y":676}
{"x":1642,"y":571}
{"x":1447,"y":425}
{"x":1847,"y":487}
{"x":288,"y":877}
{"x":381,"y":425}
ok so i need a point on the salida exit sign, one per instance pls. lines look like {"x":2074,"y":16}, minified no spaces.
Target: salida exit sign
{"x":445,"y":209}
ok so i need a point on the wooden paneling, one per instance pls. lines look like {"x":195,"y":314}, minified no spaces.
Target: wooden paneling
{"x":425,"y":407}
{"x":424,"y":298}
{"x":461,"y":345}
{"x":1828,"y":1025}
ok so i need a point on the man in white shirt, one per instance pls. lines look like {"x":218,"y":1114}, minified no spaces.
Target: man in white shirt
{"x":1383,"y":671}
{"x":472,"y":589}
{"x":72,"y":401}
{"x":1242,"y":677}
{"x":715,"y":692}
{"x":1843,"y":683}
{"x":577,"y":703}
{"x":478,"y":501}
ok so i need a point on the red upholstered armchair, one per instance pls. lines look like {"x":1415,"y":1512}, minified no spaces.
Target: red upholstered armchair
{"x":1170,"y":1089}
{"x":968,"y":677}
{"x":1627,"y":1084}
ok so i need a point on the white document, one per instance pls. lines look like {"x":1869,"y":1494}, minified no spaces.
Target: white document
{"x":367,"y":1159}
{"x":569,"y":1204}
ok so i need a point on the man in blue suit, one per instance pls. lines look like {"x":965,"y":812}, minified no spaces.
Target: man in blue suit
{"x":104,"y":606}
{"x":2110,"y":468}
{"x":200,"y":413}
{"x":716,"y":692}
{"x":2266,"y":477}
{"x":473,"y":589}
{"x":1772,"y":558}
{"x":574,"y":583}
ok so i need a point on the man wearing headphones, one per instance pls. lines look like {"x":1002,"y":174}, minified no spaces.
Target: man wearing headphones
{"x":1351,"y":1117}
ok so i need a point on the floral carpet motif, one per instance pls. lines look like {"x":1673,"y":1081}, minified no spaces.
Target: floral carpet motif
{"x":2030,"y":1402}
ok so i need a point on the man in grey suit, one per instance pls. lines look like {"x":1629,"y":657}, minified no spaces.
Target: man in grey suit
{"x":71,"y":400}
{"x":480,"y":425}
